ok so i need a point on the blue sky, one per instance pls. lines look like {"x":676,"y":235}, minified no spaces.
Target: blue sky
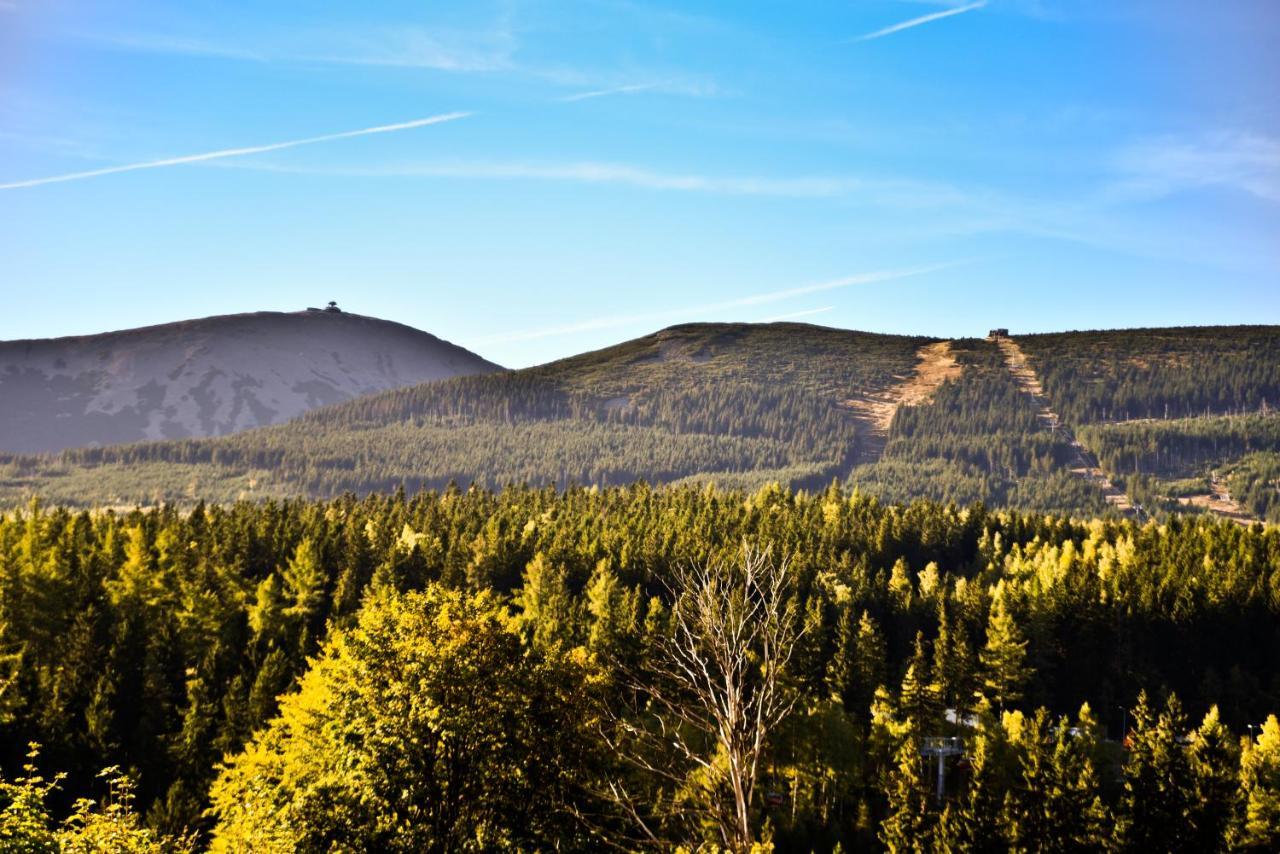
{"x":598,"y":170}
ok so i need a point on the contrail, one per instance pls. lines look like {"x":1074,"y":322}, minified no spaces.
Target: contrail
{"x":619,"y":90}
{"x":235,"y":152}
{"x":923,"y":19}
{"x":614,"y":321}
{"x":794,"y":314}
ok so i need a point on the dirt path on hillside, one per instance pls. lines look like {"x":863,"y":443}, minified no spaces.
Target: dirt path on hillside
{"x":874,"y":411}
{"x":1086,"y":464}
{"x":1219,"y":501}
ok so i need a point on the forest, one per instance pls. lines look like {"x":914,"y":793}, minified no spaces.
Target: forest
{"x":739,"y":402}
{"x":978,"y":439}
{"x":1178,"y":372}
{"x":744,"y":405}
{"x":520,"y":669}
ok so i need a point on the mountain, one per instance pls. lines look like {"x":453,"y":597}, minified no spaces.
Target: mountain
{"x":1140,"y":423}
{"x":208,"y":377}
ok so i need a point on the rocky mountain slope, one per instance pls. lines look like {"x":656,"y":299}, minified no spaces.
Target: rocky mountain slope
{"x":207,"y":377}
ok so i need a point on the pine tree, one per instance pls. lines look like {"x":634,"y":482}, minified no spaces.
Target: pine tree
{"x":1154,"y":808}
{"x":841,"y":678}
{"x":975,"y":822}
{"x":303,"y":580}
{"x":613,"y":614}
{"x":1214,"y":758}
{"x":1260,"y":789}
{"x":549,"y":616}
{"x":858,"y":665}
{"x":919,"y":699}
{"x":1028,"y":818}
{"x":906,"y":827}
{"x":953,"y":663}
{"x":809,"y":661}
{"x":1057,"y":805}
{"x":1005,"y":672}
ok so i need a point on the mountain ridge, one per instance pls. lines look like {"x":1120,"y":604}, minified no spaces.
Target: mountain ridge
{"x":743,"y":405}
{"x":207,"y":376}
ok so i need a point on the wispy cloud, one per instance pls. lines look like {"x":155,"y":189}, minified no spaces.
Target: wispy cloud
{"x":616,"y":90}
{"x":161,"y":43}
{"x":794,"y":314}
{"x":923,"y":19}
{"x":399,"y":47}
{"x":490,"y":50}
{"x":925,"y":209}
{"x":671,"y":315}
{"x":1237,"y":160}
{"x":234,"y":152}
{"x":894,"y":192}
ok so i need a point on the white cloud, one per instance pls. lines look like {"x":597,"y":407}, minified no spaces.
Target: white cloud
{"x":493,"y":51}
{"x":234,"y":152}
{"x":900,"y":193}
{"x":401,"y":47}
{"x":1238,"y":160}
{"x":923,"y":19}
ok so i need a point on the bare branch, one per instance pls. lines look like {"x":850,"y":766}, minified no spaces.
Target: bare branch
{"x":715,"y":691}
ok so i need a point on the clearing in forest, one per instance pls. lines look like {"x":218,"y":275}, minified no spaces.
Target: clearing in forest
{"x":874,"y":411}
{"x":1086,"y":464}
{"x":1218,"y":500}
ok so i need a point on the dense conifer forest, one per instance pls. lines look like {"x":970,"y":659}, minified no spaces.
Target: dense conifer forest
{"x":731,"y":401}
{"x":1127,"y":374}
{"x":479,"y":670}
{"x":979,"y":439}
{"x":1165,"y":411}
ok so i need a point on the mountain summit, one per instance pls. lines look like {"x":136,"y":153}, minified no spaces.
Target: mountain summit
{"x":208,"y":377}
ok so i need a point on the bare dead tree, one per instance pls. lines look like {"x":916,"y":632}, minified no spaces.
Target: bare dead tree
{"x":710,"y":696}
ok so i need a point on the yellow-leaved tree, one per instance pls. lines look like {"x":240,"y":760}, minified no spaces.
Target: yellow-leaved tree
{"x":427,"y":725}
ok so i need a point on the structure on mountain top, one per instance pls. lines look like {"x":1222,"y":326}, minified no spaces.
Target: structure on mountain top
{"x":998,"y":333}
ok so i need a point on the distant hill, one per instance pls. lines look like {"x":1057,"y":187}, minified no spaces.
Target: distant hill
{"x":207,"y":377}
{"x":1073,"y":422}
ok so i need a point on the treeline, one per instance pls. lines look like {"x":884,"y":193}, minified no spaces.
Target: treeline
{"x":1128,"y":374}
{"x":1182,"y":447}
{"x":1254,"y":482}
{"x":979,"y":439}
{"x":159,"y":642}
{"x":707,"y":400}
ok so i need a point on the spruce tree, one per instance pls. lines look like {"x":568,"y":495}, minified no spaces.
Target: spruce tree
{"x":549,"y":616}
{"x":906,"y":826}
{"x":919,"y":699}
{"x":1260,"y":789}
{"x":1155,"y":807}
{"x":1214,"y":758}
{"x":1005,"y":672}
{"x":953,"y":663}
{"x":976,"y":821}
{"x":858,"y":665}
